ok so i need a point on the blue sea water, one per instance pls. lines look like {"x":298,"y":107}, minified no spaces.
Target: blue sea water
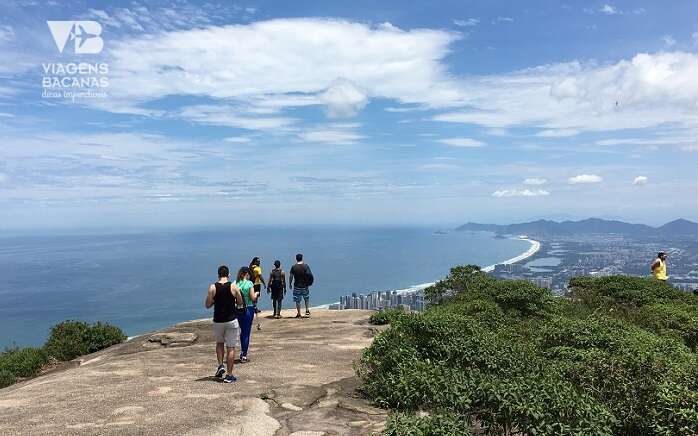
{"x":145,"y":281}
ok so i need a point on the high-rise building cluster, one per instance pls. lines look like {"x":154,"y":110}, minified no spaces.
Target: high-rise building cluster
{"x":378,"y":300}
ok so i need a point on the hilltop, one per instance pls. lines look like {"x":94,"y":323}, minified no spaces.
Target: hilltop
{"x":592,"y":225}
{"x":300,"y":382}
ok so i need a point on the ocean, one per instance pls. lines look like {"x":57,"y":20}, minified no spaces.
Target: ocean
{"x":145,"y":281}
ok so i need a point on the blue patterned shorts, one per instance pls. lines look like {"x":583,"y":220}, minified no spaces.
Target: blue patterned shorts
{"x":299,"y":293}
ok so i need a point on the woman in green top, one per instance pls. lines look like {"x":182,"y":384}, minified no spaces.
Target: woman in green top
{"x":246,"y":317}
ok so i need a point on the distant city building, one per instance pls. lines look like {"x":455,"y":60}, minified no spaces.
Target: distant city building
{"x":378,"y":300}
{"x":542,"y":282}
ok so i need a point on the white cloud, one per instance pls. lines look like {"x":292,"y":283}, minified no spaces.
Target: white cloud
{"x":694,"y":36}
{"x":343,"y":99}
{"x":640,"y":180}
{"x":585,"y":179}
{"x":337,"y":133}
{"x":342,"y":65}
{"x":535,"y":181}
{"x":462,"y":142}
{"x":231,"y":116}
{"x":505,"y":19}
{"x":668,"y":40}
{"x":469,"y":22}
{"x":520,"y":193}
{"x":690,"y":147}
{"x":557,"y":133}
{"x":237,"y":139}
{"x":645,"y":92}
{"x":608,"y":9}
{"x":292,"y":62}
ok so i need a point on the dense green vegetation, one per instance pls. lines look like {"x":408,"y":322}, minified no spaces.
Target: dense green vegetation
{"x":506,"y":357}
{"x":67,"y":341}
{"x":385,"y":316}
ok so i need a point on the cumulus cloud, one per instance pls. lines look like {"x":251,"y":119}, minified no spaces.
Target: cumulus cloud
{"x":520,"y":193}
{"x":462,"y":142}
{"x":292,"y":62}
{"x":644,"y":92}
{"x":535,"y":181}
{"x":585,"y":179}
{"x":640,"y":180}
{"x":352,"y":63}
{"x":343,"y":99}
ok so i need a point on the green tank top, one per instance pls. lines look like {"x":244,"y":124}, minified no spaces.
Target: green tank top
{"x":245,"y":286}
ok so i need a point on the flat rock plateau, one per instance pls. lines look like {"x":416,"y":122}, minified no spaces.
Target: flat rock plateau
{"x":300,"y":381}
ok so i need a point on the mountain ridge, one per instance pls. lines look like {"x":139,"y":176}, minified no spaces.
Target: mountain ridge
{"x":678,"y":226}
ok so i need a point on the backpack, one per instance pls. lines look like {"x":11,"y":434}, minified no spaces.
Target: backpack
{"x":309,"y":278}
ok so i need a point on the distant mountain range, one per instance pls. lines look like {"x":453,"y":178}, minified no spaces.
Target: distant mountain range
{"x":591,"y":225}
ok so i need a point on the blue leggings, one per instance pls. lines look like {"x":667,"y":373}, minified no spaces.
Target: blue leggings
{"x":245,"y":320}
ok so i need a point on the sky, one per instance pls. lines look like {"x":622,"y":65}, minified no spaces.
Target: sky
{"x":353,"y":113}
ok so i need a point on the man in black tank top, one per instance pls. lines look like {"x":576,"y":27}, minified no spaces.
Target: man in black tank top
{"x":225,"y":297}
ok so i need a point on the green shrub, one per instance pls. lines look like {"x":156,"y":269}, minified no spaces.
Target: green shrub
{"x":679,"y":319}
{"x":462,"y":281}
{"x":626,"y":290}
{"x":6,"y":378}
{"x":385,"y":316}
{"x":520,"y":295}
{"x":102,"y":335}
{"x":676,"y":412}
{"x":403,"y":424}
{"x":68,"y":340}
{"x":619,"y":364}
{"x":418,"y":365}
{"x":71,"y":339}
{"x":23,"y":362}
{"x":618,"y":358}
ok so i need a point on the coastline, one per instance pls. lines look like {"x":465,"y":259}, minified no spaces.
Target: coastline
{"x":533,"y":249}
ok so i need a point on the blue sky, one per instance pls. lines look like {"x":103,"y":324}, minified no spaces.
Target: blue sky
{"x":404,"y":112}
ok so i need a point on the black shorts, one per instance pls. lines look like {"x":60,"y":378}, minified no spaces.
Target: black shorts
{"x":277,"y":291}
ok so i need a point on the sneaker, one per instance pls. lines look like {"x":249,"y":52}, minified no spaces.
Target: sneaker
{"x":259,"y":326}
{"x":307,"y":313}
{"x":220,"y":371}
{"x":298,"y":315}
{"x":244,"y":359}
{"x":230,"y":379}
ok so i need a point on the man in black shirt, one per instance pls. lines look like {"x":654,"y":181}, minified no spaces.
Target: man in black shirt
{"x":300,"y":278}
{"x":224,"y":296}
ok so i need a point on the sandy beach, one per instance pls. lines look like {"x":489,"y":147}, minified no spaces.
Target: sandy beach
{"x":535,"y":246}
